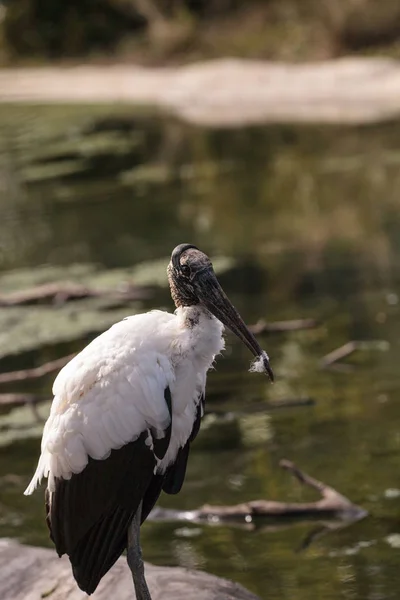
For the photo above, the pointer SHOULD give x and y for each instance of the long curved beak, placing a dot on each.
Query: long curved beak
(217, 302)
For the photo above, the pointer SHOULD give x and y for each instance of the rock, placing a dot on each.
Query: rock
(28, 573)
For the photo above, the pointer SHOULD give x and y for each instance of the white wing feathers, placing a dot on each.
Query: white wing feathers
(106, 397)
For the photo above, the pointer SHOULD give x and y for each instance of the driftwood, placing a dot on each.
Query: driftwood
(48, 292)
(282, 326)
(28, 573)
(35, 372)
(19, 399)
(332, 358)
(339, 353)
(58, 293)
(220, 411)
(32, 400)
(332, 505)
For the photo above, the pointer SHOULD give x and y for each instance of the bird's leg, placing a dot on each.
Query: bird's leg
(134, 557)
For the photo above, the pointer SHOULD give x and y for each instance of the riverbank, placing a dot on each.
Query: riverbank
(224, 93)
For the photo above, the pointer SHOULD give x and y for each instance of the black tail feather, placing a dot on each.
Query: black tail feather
(100, 549)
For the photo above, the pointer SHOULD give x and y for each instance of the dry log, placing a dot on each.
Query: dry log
(35, 372)
(332, 504)
(282, 326)
(58, 293)
(28, 573)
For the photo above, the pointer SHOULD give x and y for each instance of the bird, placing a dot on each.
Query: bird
(124, 414)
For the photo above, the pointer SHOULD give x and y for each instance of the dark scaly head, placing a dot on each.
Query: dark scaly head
(192, 281)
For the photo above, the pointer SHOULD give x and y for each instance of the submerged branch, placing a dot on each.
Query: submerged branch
(282, 326)
(59, 293)
(11, 400)
(332, 504)
(349, 348)
(221, 410)
(339, 353)
(35, 372)
(48, 292)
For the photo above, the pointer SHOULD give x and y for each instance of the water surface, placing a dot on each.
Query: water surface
(309, 220)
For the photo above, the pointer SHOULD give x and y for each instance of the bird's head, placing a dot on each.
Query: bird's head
(193, 281)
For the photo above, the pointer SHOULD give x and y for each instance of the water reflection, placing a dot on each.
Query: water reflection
(311, 217)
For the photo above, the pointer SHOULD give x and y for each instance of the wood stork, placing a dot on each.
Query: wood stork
(124, 413)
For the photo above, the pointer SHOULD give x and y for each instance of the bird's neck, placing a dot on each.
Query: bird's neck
(192, 316)
(202, 333)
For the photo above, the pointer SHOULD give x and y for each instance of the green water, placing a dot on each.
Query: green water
(309, 220)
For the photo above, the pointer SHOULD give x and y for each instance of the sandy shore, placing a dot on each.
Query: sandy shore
(225, 92)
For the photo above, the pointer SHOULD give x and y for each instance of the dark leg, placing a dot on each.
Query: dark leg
(134, 557)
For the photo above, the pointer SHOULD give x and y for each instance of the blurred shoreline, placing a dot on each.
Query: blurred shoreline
(225, 92)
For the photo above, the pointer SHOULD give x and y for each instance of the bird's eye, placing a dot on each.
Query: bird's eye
(185, 270)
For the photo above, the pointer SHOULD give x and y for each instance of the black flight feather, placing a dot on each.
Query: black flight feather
(160, 448)
(175, 474)
(172, 480)
(197, 423)
(152, 494)
(161, 445)
(90, 513)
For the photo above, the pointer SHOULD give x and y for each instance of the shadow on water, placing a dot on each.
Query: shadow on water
(310, 218)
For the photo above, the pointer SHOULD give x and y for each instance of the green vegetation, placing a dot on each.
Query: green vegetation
(159, 31)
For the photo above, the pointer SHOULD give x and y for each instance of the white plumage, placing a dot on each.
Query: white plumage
(113, 390)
